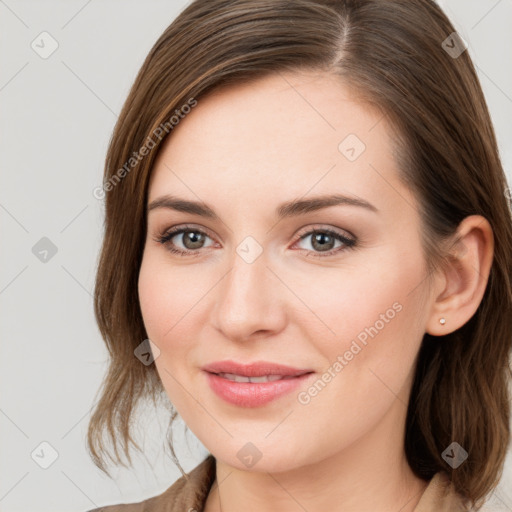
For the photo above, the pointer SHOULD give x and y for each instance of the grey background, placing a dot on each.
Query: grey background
(57, 117)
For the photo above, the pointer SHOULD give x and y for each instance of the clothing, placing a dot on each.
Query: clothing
(190, 496)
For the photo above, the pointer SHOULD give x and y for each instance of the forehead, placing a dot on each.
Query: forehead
(276, 138)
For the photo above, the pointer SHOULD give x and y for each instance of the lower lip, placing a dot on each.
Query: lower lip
(253, 394)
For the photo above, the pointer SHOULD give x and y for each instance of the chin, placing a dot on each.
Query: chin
(266, 459)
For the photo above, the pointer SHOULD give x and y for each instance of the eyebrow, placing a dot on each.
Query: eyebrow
(288, 209)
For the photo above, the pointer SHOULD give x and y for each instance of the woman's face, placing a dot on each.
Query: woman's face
(351, 311)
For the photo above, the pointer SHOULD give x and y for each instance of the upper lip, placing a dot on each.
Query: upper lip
(255, 369)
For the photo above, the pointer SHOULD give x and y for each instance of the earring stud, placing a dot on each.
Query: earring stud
(442, 321)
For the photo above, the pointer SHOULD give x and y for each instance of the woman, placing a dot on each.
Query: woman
(308, 252)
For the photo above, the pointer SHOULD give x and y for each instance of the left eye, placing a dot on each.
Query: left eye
(324, 240)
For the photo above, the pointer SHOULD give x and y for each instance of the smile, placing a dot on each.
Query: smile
(244, 391)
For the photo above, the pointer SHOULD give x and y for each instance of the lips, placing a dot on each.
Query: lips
(255, 384)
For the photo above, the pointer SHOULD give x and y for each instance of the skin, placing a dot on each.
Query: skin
(244, 150)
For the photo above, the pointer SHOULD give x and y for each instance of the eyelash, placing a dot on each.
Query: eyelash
(166, 237)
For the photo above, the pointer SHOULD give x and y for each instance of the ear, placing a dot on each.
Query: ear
(461, 284)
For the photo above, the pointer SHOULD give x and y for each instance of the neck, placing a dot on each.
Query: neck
(370, 474)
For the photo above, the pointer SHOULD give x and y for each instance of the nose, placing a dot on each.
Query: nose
(249, 301)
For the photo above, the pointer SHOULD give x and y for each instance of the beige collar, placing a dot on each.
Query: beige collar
(440, 496)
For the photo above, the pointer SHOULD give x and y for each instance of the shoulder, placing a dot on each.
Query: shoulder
(440, 496)
(187, 493)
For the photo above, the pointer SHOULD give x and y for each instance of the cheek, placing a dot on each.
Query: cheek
(378, 290)
(172, 315)
(152, 300)
(369, 365)
(372, 323)
(167, 297)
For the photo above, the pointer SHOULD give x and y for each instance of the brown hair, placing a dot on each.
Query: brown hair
(390, 52)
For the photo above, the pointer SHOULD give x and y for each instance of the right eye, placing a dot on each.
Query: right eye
(191, 239)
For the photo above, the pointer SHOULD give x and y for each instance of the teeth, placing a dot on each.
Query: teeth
(242, 378)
